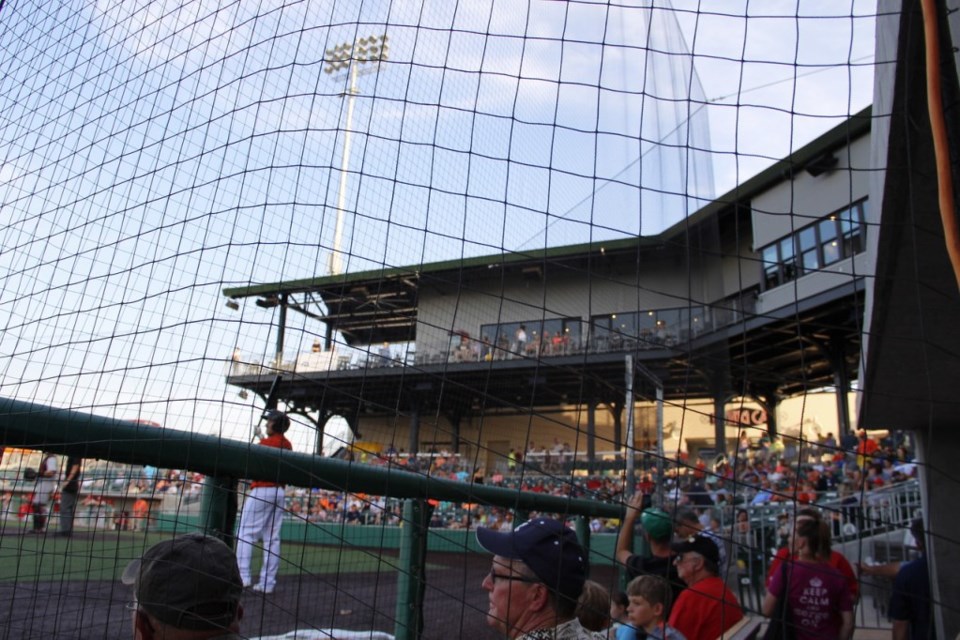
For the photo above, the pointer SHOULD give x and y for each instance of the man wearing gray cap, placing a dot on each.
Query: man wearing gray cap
(537, 576)
(186, 588)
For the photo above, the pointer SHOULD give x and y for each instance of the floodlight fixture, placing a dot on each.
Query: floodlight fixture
(349, 56)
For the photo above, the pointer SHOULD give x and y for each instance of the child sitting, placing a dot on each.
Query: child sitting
(621, 629)
(649, 603)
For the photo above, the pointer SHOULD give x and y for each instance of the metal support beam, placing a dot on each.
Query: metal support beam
(415, 428)
(720, 422)
(771, 404)
(591, 435)
(841, 381)
(281, 330)
(455, 430)
(616, 412)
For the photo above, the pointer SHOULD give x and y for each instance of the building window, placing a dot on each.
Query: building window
(554, 337)
(649, 329)
(839, 236)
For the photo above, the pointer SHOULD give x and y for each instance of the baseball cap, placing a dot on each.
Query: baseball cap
(189, 582)
(281, 421)
(656, 522)
(548, 547)
(699, 544)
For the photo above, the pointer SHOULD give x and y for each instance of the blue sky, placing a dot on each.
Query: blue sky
(154, 152)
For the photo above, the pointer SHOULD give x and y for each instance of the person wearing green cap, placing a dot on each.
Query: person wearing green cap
(657, 527)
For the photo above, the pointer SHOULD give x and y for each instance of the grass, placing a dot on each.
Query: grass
(103, 555)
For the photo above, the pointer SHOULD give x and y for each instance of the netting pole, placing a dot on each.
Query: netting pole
(630, 481)
(412, 577)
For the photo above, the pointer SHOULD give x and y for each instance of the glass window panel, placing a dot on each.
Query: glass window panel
(786, 249)
(626, 324)
(828, 229)
(601, 331)
(831, 252)
(646, 321)
(572, 330)
(807, 239)
(770, 256)
(668, 325)
(810, 261)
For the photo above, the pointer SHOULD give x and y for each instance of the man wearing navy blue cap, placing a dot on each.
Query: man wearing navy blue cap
(537, 576)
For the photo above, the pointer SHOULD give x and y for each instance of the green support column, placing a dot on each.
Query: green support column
(591, 436)
(583, 533)
(412, 578)
(218, 507)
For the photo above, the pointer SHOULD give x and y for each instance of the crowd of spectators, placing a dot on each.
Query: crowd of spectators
(764, 472)
(724, 493)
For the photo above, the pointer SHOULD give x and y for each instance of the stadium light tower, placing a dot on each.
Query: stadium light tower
(349, 57)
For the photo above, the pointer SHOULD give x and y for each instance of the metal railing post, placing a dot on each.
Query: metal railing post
(218, 507)
(412, 578)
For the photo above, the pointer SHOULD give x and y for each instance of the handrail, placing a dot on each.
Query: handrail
(34, 426)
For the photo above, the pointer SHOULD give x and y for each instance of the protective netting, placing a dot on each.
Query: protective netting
(577, 249)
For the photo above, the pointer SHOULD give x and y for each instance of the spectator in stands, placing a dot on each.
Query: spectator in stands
(186, 588)
(830, 443)
(866, 447)
(764, 495)
(825, 552)
(649, 598)
(744, 445)
(593, 607)
(688, 524)
(520, 340)
(657, 529)
(706, 608)
(818, 597)
(910, 601)
(538, 574)
(620, 629)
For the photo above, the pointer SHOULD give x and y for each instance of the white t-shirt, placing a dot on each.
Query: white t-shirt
(45, 486)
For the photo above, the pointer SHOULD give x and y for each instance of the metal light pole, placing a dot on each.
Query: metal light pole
(348, 57)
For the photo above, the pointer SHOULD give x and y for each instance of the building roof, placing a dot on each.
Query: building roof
(380, 305)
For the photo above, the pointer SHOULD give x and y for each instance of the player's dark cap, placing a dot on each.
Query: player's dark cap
(188, 582)
(279, 419)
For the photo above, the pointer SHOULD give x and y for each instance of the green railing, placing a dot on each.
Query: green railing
(33, 426)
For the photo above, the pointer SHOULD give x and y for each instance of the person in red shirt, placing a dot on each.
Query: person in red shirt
(866, 447)
(706, 608)
(263, 514)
